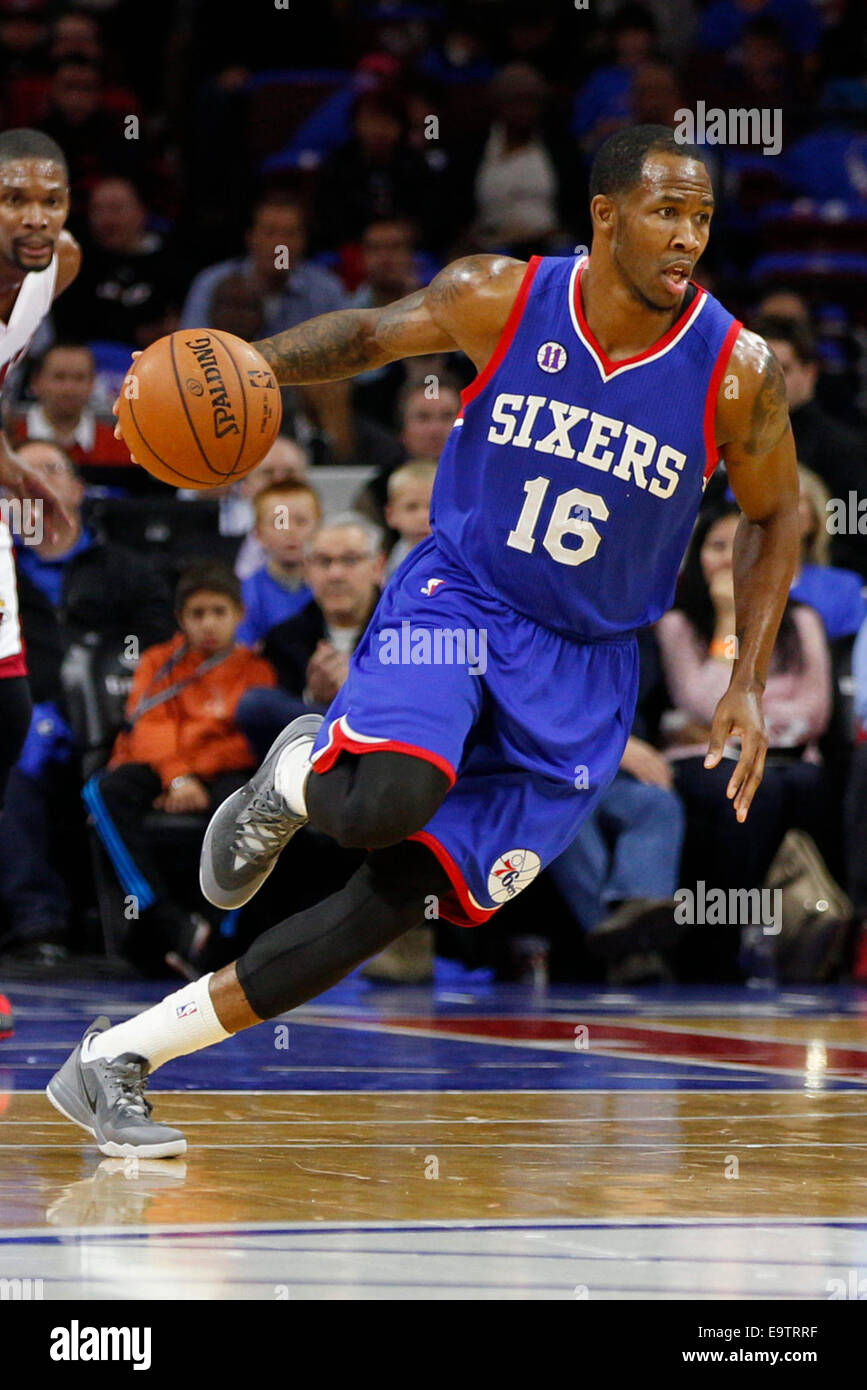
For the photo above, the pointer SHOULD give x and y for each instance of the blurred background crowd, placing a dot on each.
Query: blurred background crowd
(247, 169)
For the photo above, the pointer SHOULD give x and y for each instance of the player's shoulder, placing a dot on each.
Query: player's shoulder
(471, 298)
(752, 405)
(471, 276)
(68, 261)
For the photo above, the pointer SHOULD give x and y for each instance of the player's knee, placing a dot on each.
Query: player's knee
(374, 817)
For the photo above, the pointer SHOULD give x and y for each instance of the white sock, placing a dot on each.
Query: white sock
(182, 1022)
(291, 773)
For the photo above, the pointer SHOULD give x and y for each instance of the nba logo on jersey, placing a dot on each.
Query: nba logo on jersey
(431, 586)
(552, 357)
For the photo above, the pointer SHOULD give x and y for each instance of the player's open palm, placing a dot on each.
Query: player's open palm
(739, 715)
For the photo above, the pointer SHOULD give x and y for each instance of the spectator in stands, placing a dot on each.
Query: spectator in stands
(285, 462)
(180, 752)
(855, 809)
(238, 306)
(23, 52)
(521, 179)
(91, 137)
(425, 418)
(70, 588)
(129, 288)
(725, 23)
(836, 594)
(408, 509)
(388, 266)
(63, 384)
(310, 652)
(76, 35)
(604, 102)
(619, 875)
(293, 289)
(375, 175)
(286, 517)
(390, 272)
(835, 452)
(697, 646)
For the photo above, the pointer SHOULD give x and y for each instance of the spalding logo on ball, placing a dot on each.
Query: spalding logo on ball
(199, 408)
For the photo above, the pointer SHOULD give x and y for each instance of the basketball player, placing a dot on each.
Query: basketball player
(38, 259)
(564, 501)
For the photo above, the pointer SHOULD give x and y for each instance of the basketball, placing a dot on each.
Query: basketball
(199, 408)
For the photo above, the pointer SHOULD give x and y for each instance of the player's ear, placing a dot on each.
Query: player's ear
(603, 211)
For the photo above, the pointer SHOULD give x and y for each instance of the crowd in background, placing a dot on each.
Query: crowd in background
(370, 144)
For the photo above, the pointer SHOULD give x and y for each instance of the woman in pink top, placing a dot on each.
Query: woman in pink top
(697, 644)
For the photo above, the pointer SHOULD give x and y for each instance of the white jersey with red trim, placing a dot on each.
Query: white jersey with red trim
(570, 483)
(32, 303)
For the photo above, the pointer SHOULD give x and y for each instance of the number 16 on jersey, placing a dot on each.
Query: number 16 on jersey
(562, 523)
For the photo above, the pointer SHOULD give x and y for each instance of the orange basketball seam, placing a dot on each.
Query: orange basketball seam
(182, 399)
(227, 348)
(186, 477)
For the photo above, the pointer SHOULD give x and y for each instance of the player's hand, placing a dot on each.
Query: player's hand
(646, 764)
(118, 433)
(739, 714)
(24, 481)
(187, 795)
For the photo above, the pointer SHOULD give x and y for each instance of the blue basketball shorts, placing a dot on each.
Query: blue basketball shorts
(529, 726)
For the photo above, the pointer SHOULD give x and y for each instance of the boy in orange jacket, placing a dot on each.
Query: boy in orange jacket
(180, 751)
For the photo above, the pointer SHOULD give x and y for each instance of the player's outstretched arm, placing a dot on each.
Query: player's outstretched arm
(464, 307)
(756, 441)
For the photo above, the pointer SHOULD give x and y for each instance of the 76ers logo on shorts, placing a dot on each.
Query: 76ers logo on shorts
(512, 873)
(552, 357)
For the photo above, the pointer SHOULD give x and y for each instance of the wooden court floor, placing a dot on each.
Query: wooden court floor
(711, 1154)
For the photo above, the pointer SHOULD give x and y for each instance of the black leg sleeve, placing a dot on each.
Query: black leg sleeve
(310, 952)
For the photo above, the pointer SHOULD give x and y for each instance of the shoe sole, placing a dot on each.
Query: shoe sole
(66, 1101)
(215, 893)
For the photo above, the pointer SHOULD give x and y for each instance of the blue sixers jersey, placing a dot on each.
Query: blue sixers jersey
(569, 485)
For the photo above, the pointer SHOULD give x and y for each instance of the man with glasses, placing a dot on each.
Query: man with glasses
(310, 651)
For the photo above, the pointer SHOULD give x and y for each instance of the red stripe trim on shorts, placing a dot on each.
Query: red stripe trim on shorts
(341, 740)
(469, 913)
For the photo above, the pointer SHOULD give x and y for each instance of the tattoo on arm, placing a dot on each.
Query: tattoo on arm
(327, 348)
(770, 409)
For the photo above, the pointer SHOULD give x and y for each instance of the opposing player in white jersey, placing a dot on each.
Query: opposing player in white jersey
(38, 259)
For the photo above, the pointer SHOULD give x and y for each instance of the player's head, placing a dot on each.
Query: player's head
(409, 494)
(287, 514)
(34, 198)
(344, 567)
(208, 606)
(792, 344)
(651, 202)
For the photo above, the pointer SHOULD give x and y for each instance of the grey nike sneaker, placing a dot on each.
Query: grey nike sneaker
(248, 831)
(106, 1097)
